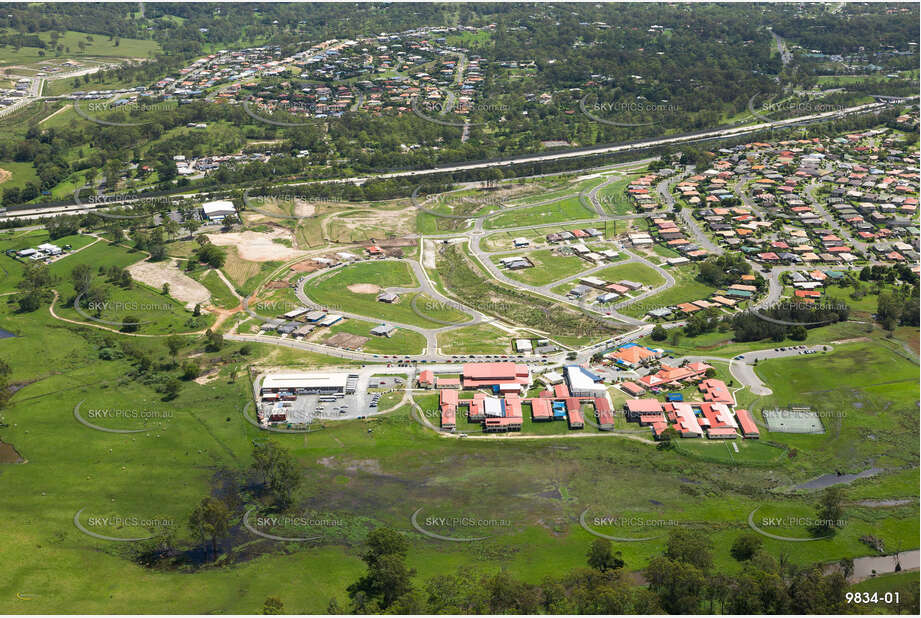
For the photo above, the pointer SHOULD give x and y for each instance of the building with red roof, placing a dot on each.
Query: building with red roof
(500, 377)
(447, 382)
(747, 424)
(668, 375)
(716, 391)
(632, 388)
(604, 413)
(541, 409)
(448, 400)
(635, 408)
(426, 379)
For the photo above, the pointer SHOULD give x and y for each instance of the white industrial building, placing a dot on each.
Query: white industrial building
(304, 383)
(584, 383)
(218, 210)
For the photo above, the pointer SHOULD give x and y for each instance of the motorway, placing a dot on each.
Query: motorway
(523, 159)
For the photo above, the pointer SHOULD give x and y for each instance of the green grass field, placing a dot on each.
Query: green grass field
(633, 271)
(476, 339)
(565, 209)
(547, 267)
(686, 289)
(331, 290)
(544, 487)
(79, 45)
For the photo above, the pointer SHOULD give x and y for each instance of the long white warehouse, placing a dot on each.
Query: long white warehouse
(304, 383)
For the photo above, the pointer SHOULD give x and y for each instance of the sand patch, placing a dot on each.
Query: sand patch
(258, 246)
(181, 286)
(303, 209)
(364, 288)
(5, 175)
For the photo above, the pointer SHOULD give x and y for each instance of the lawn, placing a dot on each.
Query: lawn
(548, 267)
(221, 295)
(358, 477)
(403, 341)
(476, 339)
(633, 271)
(565, 209)
(686, 289)
(93, 45)
(155, 313)
(866, 395)
(331, 290)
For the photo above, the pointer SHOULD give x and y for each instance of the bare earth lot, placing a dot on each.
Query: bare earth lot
(181, 287)
(257, 246)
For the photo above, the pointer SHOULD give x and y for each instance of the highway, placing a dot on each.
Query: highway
(523, 159)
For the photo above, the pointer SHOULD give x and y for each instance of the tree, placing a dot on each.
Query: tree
(174, 344)
(165, 289)
(273, 606)
(278, 469)
(798, 333)
(659, 333)
(828, 511)
(190, 370)
(171, 389)
(130, 324)
(745, 546)
(602, 558)
(215, 341)
(210, 521)
(678, 584)
(668, 439)
(690, 547)
(5, 393)
(81, 277)
(387, 577)
(191, 225)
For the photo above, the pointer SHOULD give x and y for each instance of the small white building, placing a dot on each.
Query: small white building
(50, 249)
(523, 345)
